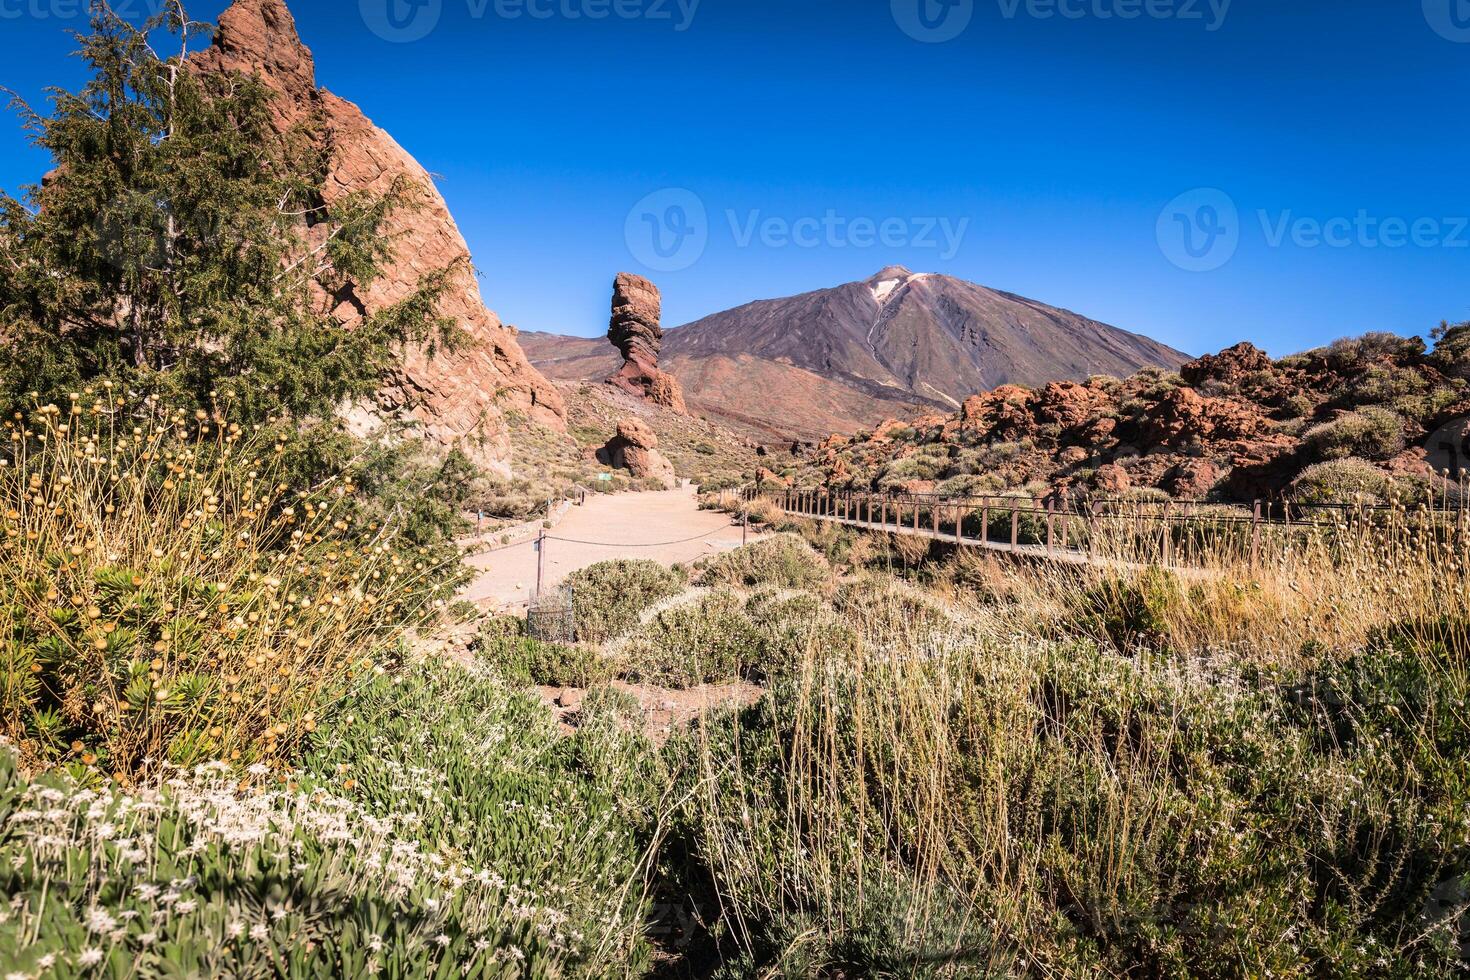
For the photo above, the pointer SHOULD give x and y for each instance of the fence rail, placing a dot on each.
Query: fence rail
(1089, 529)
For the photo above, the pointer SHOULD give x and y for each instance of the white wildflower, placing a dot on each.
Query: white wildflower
(90, 956)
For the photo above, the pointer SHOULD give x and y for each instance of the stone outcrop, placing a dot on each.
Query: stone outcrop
(635, 449)
(455, 398)
(635, 331)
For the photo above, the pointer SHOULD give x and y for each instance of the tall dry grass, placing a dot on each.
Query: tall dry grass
(1244, 769)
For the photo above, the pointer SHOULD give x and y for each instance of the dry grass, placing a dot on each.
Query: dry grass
(167, 600)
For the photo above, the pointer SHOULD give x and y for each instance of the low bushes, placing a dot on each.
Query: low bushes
(785, 560)
(1371, 433)
(433, 830)
(703, 638)
(608, 597)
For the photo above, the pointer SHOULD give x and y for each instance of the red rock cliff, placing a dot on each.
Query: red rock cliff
(457, 398)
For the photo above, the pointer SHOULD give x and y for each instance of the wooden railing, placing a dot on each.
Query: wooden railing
(1164, 532)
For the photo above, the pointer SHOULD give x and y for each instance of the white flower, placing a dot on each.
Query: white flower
(16, 976)
(442, 939)
(106, 831)
(47, 962)
(90, 956)
(147, 892)
(260, 932)
(147, 938)
(186, 906)
(100, 921)
(235, 930)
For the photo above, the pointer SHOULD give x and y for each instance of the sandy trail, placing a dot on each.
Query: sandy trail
(623, 525)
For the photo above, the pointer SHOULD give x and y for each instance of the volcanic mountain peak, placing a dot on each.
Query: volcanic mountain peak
(843, 358)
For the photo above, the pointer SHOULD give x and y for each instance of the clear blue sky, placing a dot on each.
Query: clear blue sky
(1055, 143)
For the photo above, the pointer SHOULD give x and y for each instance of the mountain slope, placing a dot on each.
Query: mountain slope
(841, 359)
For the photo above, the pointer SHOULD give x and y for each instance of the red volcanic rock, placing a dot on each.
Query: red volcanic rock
(1231, 365)
(764, 476)
(456, 398)
(1183, 416)
(1112, 478)
(634, 330)
(635, 449)
(1002, 413)
(1192, 479)
(1070, 405)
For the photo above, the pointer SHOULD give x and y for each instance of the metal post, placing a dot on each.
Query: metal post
(744, 524)
(985, 523)
(1015, 525)
(540, 559)
(1049, 517)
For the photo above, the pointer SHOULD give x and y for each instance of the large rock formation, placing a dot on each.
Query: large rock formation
(635, 449)
(456, 398)
(634, 330)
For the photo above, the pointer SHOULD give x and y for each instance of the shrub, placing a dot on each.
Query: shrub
(703, 638)
(785, 560)
(162, 598)
(1370, 433)
(1133, 611)
(429, 832)
(530, 661)
(608, 597)
(1354, 481)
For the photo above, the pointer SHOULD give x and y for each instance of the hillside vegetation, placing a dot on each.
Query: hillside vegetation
(1375, 418)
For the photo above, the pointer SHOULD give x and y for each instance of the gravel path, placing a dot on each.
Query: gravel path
(667, 527)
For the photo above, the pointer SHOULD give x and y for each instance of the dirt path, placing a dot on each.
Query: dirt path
(667, 527)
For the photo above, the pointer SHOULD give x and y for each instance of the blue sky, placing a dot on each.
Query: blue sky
(1313, 152)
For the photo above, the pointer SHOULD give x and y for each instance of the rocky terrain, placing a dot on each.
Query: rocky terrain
(841, 359)
(1373, 418)
(455, 397)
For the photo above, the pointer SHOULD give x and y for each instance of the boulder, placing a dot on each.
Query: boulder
(1192, 479)
(1231, 366)
(635, 331)
(1111, 478)
(454, 398)
(635, 449)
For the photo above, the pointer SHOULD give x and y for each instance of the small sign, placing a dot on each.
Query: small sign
(604, 477)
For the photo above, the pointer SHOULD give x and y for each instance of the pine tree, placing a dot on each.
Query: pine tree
(179, 242)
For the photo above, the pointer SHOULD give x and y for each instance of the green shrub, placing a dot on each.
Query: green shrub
(1371, 433)
(703, 639)
(429, 833)
(1354, 481)
(608, 597)
(530, 661)
(1133, 611)
(785, 560)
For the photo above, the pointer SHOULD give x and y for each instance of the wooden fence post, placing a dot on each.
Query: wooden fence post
(1050, 516)
(1256, 535)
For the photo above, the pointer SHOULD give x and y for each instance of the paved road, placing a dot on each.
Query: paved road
(623, 525)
